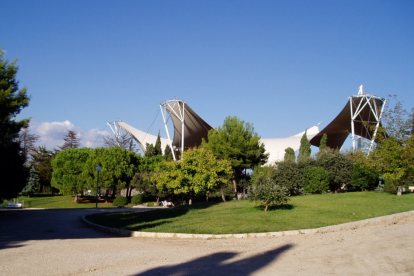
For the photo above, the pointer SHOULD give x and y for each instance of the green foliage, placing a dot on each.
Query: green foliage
(72, 141)
(68, 167)
(12, 158)
(289, 175)
(157, 147)
(167, 153)
(290, 155)
(266, 190)
(137, 199)
(315, 180)
(323, 142)
(150, 150)
(364, 178)
(120, 201)
(33, 182)
(237, 142)
(198, 172)
(305, 149)
(42, 162)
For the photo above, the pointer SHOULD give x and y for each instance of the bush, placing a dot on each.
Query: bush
(390, 186)
(364, 178)
(120, 201)
(315, 180)
(138, 199)
(267, 191)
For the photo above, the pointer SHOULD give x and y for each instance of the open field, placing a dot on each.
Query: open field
(302, 212)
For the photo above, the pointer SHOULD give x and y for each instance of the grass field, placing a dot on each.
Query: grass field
(302, 212)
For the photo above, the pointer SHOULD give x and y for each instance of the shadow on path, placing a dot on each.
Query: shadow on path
(18, 226)
(218, 264)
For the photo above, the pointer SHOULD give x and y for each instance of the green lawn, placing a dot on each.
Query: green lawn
(302, 212)
(59, 202)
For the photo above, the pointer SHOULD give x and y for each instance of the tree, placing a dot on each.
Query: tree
(323, 144)
(237, 142)
(167, 153)
(33, 182)
(41, 160)
(364, 178)
(157, 146)
(150, 151)
(290, 155)
(393, 156)
(198, 172)
(125, 141)
(68, 167)
(27, 142)
(305, 149)
(289, 175)
(71, 141)
(12, 101)
(267, 191)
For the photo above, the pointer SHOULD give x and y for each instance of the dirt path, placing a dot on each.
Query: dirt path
(384, 249)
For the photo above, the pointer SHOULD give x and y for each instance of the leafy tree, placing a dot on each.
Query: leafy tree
(393, 156)
(12, 101)
(364, 178)
(150, 151)
(289, 175)
(71, 141)
(198, 172)
(305, 149)
(315, 180)
(68, 166)
(27, 142)
(118, 168)
(33, 182)
(290, 155)
(339, 166)
(167, 153)
(267, 191)
(124, 141)
(237, 142)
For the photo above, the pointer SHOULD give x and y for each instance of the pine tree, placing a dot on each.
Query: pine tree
(33, 183)
(157, 147)
(71, 141)
(324, 140)
(167, 153)
(305, 149)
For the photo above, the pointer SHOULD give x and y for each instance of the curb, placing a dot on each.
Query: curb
(334, 228)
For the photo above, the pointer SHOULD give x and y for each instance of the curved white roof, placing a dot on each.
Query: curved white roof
(276, 146)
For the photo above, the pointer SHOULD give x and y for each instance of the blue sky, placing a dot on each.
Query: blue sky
(282, 65)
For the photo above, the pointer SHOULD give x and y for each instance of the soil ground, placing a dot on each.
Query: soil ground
(57, 242)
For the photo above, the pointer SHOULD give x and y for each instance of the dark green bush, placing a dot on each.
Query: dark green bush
(315, 180)
(137, 199)
(364, 178)
(120, 201)
(390, 186)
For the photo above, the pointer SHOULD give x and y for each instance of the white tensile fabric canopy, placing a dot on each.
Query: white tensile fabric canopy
(276, 146)
(142, 137)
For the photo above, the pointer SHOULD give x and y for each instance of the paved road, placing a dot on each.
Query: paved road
(57, 242)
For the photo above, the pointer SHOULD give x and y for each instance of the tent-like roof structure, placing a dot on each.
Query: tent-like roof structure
(276, 146)
(189, 127)
(359, 114)
(142, 137)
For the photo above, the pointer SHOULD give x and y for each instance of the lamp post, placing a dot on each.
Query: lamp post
(98, 169)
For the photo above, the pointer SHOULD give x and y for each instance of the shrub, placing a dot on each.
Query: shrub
(315, 180)
(267, 191)
(364, 178)
(120, 201)
(137, 199)
(390, 186)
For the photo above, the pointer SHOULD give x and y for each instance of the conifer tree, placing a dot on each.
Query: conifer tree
(33, 183)
(305, 149)
(167, 153)
(157, 147)
(290, 155)
(324, 140)
(71, 141)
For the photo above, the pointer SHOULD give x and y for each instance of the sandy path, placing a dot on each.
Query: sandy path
(383, 249)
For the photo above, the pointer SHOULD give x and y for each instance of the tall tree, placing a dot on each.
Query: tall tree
(150, 151)
(237, 142)
(125, 141)
(323, 146)
(27, 142)
(33, 182)
(305, 149)
(41, 159)
(157, 146)
(12, 101)
(198, 172)
(290, 155)
(71, 141)
(167, 153)
(68, 166)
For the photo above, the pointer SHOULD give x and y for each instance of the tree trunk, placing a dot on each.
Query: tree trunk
(244, 193)
(267, 207)
(235, 185)
(207, 197)
(76, 198)
(190, 201)
(222, 196)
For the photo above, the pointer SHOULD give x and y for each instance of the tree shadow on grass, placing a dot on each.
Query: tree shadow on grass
(218, 264)
(144, 220)
(276, 207)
